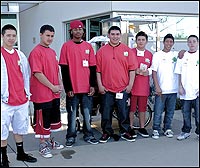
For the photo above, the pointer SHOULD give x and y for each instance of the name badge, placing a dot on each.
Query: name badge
(85, 63)
(140, 53)
(147, 60)
(119, 96)
(87, 51)
(126, 54)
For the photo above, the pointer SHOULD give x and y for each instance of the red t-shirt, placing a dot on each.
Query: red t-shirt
(43, 59)
(114, 64)
(141, 86)
(17, 95)
(75, 55)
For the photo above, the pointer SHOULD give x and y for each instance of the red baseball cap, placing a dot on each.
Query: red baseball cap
(76, 24)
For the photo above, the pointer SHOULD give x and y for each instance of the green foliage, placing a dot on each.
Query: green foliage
(181, 36)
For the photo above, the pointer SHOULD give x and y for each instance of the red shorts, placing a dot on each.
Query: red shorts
(47, 118)
(140, 102)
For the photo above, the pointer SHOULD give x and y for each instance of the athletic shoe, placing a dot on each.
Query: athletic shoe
(127, 137)
(183, 135)
(93, 141)
(70, 142)
(26, 157)
(168, 133)
(44, 150)
(54, 144)
(155, 134)
(132, 133)
(104, 138)
(143, 132)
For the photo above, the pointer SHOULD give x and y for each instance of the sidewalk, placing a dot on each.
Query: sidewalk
(144, 152)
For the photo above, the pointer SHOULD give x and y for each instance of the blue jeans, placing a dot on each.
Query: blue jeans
(167, 103)
(72, 103)
(107, 107)
(187, 106)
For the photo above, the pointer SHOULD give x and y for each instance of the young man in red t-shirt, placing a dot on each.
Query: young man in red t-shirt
(46, 86)
(78, 67)
(141, 85)
(15, 95)
(116, 65)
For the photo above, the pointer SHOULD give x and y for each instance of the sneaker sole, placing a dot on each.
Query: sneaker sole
(182, 138)
(46, 156)
(155, 137)
(93, 143)
(130, 140)
(69, 146)
(30, 161)
(171, 136)
(145, 136)
(104, 141)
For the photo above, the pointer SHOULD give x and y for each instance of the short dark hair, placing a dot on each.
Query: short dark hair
(169, 36)
(8, 27)
(46, 27)
(193, 36)
(114, 28)
(141, 33)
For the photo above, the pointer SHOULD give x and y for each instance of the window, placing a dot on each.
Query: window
(9, 19)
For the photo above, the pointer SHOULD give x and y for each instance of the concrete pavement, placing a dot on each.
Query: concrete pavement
(144, 152)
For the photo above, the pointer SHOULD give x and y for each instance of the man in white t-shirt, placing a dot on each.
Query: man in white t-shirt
(166, 87)
(188, 70)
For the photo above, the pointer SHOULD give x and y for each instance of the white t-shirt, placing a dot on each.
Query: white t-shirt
(164, 63)
(188, 67)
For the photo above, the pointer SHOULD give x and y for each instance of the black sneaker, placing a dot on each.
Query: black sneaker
(5, 162)
(26, 157)
(143, 132)
(132, 133)
(93, 141)
(128, 137)
(104, 138)
(69, 143)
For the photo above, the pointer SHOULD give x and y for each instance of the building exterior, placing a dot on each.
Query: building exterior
(156, 18)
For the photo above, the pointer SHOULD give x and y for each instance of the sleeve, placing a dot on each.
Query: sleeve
(93, 76)
(98, 61)
(133, 62)
(154, 65)
(176, 54)
(4, 79)
(35, 62)
(63, 56)
(66, 78)
(178, 68)
(25, 68)
(150, 71)
(92, 61)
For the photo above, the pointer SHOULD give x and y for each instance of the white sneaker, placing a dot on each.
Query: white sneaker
(168, 133)
(54, 144)
(155, 134)
(183, 135)
(45, 151)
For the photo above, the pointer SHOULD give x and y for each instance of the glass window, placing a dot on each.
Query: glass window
(94, 27)
(180, 27)
(9, 19)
